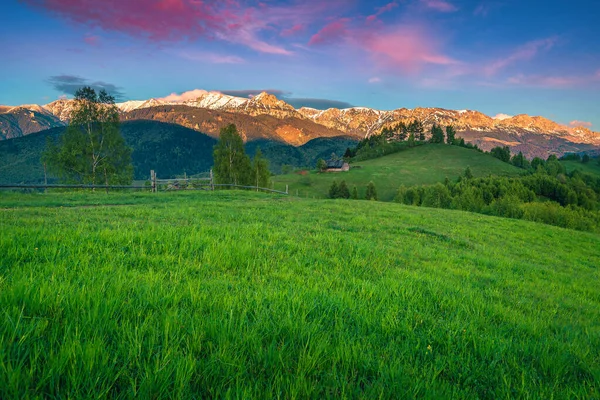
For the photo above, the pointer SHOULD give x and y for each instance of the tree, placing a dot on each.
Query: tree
(92, 149)
(371, 191)
(468, 174)
(343, 192)
(585, 159)
(354, 195)
(260, 170)
(501, 153)
(450, 134)
(232, 165)
(333, 190)
(437, 134)
(411, 140)
(348, 153)
(321, 165)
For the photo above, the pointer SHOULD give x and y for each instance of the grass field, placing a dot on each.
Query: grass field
(244, 295)
(591, 167)
(417, 166)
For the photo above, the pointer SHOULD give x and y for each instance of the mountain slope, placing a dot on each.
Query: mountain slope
(266, 117)
(290, 130)
(169, 149)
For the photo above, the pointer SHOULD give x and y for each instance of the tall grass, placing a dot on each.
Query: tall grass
(244, 295)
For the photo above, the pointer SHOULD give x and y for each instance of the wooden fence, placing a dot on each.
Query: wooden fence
(198, 182)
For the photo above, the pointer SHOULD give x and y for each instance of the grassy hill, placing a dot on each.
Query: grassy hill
(420, 165)
(591, 167)
(242, 295)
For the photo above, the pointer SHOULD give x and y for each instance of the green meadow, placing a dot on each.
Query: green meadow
(592, 167)
(245, 295)
(421, 165)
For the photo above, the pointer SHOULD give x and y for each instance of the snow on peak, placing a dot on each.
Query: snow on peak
(501, 117)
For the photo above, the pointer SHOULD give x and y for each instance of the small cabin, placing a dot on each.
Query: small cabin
(337, 166)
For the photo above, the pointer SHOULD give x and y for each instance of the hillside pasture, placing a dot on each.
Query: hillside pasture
(244, 295)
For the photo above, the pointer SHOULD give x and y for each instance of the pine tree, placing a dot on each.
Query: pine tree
(231, 164)
(354, 195)
(371, 191)
(343, 192)
(333, 190)
(92, 149)
(450, 134)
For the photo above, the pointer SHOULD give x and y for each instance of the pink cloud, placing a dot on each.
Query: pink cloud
(525, 52)
(212, 58)
(407, 48)
(439, 5)
(574, 124)
(381, 10)
(294, 30)
(92, 40)
(232, 21)
(375, 79)
(332, 32)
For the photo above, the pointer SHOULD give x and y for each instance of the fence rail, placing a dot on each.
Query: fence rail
(204, 183)
(59, 186)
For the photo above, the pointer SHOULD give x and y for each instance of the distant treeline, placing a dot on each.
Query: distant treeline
(548, 195)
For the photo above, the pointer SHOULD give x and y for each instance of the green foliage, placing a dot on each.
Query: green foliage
(344, 192)
(321, 165)
(501, 153)
(260, 170)
(231, 164)
(248, 296)
(468, 173)
(334, 190)
(450, 134)
(92, 150)
(578, 195)
(585, 159)
(354, 195)
(437, 134)
(520, 161)
(371, 192)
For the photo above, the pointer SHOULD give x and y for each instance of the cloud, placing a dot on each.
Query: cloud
(69, 84)
(212, 57)
(374, 79)
(381, 10)
(294, 30)
(526, 52)
(575, 124)
(319, 104)
(439, 5)
(332, 32)
(92, 40)
(408, 48)
(248, 23)
(552, 82)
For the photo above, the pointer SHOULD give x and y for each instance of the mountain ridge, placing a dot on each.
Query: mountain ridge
(293, 127)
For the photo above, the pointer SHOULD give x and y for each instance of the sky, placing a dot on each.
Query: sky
(498, 56)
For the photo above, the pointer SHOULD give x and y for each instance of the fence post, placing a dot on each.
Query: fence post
(153, 180)
(212, 183)
(286, 189)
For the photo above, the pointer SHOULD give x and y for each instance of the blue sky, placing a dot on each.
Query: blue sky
(511, 57)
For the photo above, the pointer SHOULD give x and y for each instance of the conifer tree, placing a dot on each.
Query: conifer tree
(333, 190)
(354, 195)
(371, 191)
(450, 134)
(343, 192)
